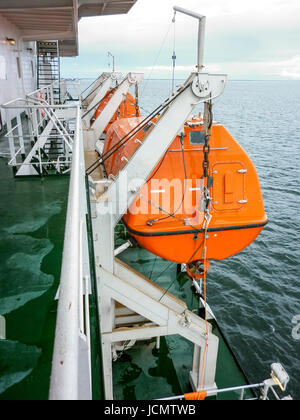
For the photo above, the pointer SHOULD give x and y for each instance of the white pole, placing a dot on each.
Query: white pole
(201, 33)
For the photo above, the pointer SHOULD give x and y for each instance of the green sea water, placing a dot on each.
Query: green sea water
(256, 294)
(31, 236)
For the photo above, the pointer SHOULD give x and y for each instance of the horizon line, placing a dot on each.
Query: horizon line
(169, 79)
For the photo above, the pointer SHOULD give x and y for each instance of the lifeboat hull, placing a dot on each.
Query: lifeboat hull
(188, 247)
(167, 217)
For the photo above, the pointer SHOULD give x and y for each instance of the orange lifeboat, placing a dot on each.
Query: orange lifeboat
(167, 217)
(128, 108)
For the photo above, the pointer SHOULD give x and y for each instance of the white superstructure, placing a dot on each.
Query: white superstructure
(23, 22)
(17, 63)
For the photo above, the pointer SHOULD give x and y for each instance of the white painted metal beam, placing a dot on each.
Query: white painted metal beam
(170, 316)
(198, 88)
(96, 98)
(116, 281)
(129, 320)
(135, 333)
(93, 90)
(138, 301)
(102, 121)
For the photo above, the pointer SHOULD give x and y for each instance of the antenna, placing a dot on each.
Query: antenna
(201, 33)
(113, 60)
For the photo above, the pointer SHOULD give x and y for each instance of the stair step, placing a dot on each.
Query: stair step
(48, 55)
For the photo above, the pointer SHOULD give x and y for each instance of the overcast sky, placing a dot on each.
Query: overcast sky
(247, 39)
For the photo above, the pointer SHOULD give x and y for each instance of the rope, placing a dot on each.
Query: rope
(150, 222)
(176, 278)
(118, 145)
(122, 141)
(134, 131)
(196, 396)
(170, 214)
(205, 305)
(154, 262)
(208, 121)
(156, 59)
(89, 88)
(174, 53)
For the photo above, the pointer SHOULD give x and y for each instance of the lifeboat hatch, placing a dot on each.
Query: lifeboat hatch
(229, 186)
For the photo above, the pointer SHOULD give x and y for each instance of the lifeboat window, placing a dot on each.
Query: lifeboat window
(147, 127)
(197, 137)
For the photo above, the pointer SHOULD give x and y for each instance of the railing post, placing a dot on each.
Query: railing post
(11, 140)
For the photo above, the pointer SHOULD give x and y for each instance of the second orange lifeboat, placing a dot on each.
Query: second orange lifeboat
(167, 217)
(128, 108)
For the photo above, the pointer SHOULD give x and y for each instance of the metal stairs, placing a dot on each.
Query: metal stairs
(51, 150)
(32, 165)
(48, 67)
(54, 146)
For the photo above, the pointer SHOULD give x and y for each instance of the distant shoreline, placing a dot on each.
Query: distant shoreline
(180, 80)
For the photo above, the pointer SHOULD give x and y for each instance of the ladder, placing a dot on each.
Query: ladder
(48, 66)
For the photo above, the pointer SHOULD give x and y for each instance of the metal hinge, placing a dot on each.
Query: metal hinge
(243, 201)
(242, 171)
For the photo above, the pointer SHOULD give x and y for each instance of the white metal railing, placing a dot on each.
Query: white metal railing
(279, 378)
(71, 368)
(214, 392)
(45, 93)
(40, 109)
(70, 90)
